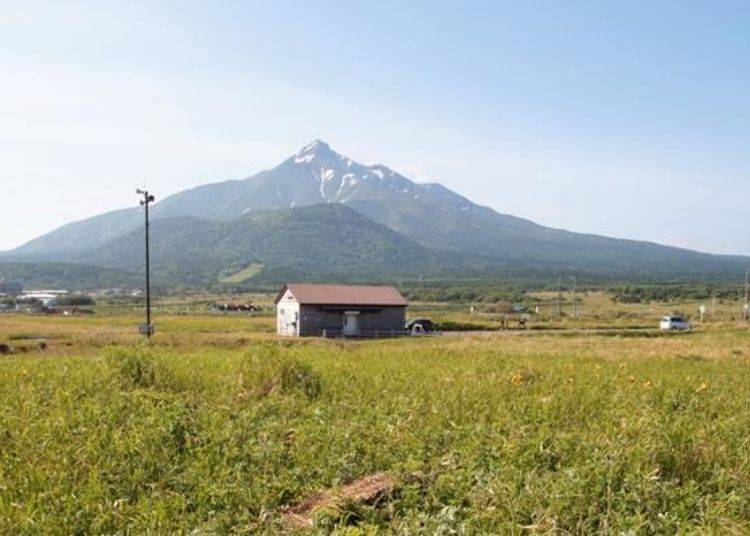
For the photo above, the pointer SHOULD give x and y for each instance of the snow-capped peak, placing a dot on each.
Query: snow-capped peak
(313, 150)
(339, 179)
(314, 146)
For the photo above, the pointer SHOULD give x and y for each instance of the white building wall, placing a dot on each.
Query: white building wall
(287, 315)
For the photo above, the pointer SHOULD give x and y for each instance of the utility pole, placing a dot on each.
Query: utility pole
(747, 293)
(559, 296)
(147, 329)
(575, 299)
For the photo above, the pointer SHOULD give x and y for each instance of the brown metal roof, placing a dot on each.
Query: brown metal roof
(344, 295)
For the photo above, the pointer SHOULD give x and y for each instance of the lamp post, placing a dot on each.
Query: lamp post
(147, 329)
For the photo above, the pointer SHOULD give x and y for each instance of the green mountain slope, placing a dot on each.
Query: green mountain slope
(80, 235)
(70, 276)
(316, 242)
(481, 231)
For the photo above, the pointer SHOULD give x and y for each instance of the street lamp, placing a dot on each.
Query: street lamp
(147, 329)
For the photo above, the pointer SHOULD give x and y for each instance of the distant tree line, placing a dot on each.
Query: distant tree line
(668, 293)
(467, 294)
(74, 300)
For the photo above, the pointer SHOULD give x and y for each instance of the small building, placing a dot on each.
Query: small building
(340, 310)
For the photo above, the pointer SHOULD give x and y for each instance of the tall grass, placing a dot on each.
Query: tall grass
(586, 434)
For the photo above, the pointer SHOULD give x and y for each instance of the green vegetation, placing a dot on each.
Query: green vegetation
(480, 292)
(216, 427)
(666, 293)
(321, 242)
(452, 325)
(70, 276)
(243, 275)
(74, 300)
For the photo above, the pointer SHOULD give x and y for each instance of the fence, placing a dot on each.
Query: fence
(362, 334)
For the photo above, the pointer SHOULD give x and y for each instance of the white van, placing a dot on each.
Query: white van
(677, 323)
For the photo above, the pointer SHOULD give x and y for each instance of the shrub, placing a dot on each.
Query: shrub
(75, 300)
(460, 326)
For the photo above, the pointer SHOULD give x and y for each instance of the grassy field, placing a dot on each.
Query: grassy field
(217, 427)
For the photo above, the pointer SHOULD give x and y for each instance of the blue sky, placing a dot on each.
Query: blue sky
(620, 118)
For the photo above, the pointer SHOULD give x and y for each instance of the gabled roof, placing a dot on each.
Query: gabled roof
(308, 294)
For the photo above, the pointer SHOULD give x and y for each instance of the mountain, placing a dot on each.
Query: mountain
(70, 276)
(80, 235)
(314, 242)
(428, 215)
(314, 175)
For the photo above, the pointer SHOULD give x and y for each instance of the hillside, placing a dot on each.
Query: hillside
(80, 235)
(71, 276)
(316, 242)
(429, 215)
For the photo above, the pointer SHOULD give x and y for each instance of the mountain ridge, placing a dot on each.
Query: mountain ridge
(430, 215)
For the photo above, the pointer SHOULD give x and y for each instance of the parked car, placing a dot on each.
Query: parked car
(417, 326)
(676, 323)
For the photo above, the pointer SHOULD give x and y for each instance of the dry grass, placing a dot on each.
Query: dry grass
(365, 490)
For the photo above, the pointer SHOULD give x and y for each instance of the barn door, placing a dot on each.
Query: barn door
(350, 327)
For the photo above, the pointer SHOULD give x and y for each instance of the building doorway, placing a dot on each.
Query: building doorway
(351, 324)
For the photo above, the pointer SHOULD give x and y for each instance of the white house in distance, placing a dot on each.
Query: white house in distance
(339, 310)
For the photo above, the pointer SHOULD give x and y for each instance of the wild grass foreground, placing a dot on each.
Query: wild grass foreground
(479, 434)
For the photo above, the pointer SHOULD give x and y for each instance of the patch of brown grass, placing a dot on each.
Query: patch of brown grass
(363, 491)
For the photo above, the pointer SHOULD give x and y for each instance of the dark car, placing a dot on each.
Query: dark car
(419, 325)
